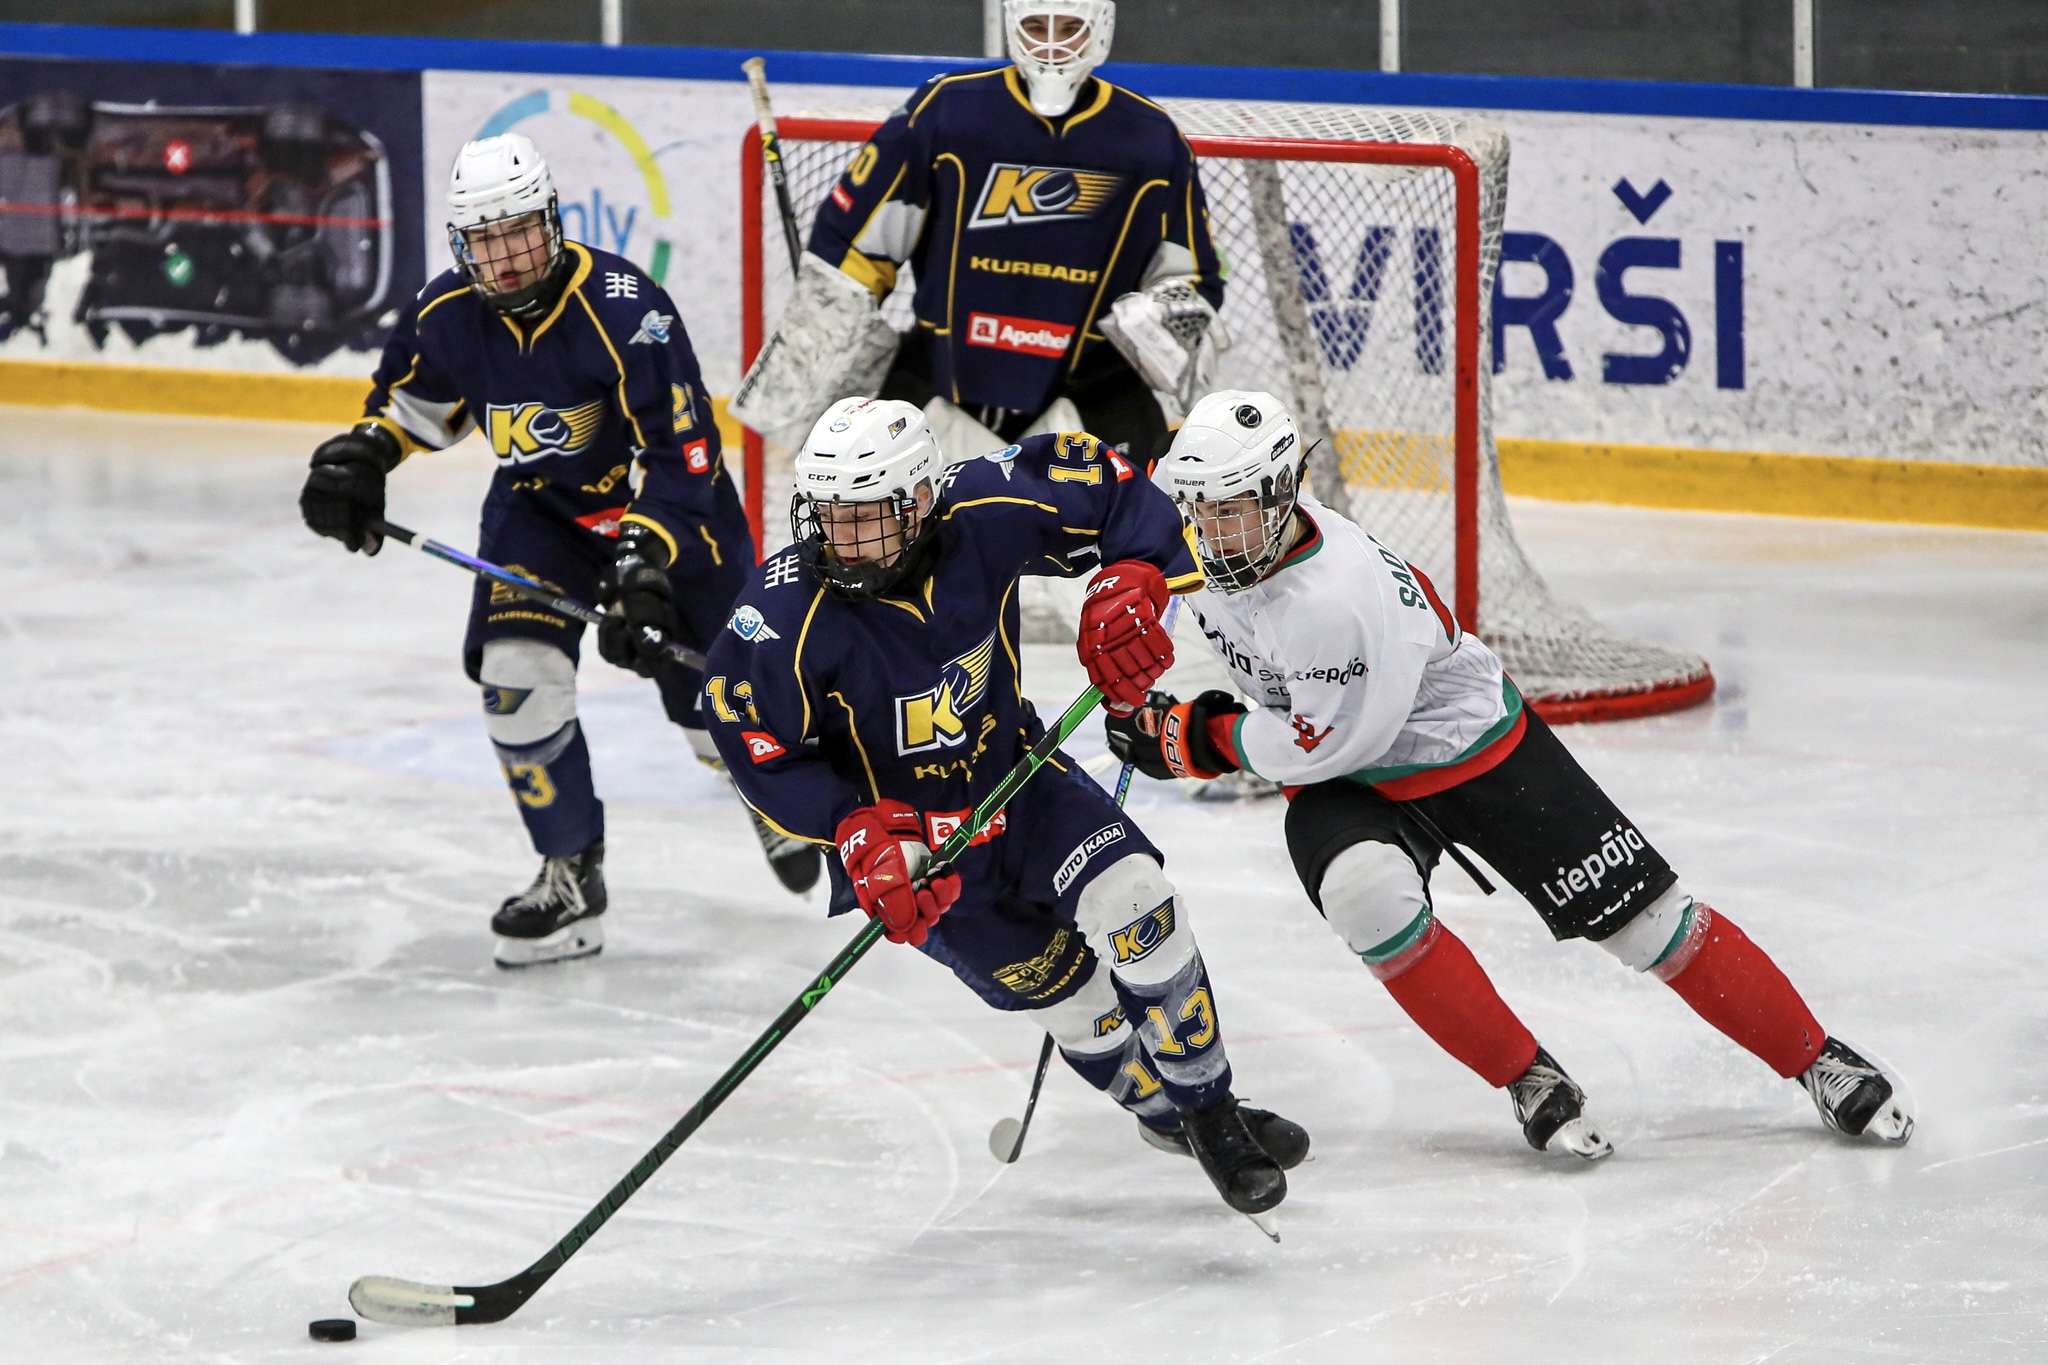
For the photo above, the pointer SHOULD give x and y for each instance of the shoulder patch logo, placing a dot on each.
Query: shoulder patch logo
(762, 746)
(748, 624)
(1005, 460)
(779, 570)
(619, 285)
(1016, 193)
(653, 329)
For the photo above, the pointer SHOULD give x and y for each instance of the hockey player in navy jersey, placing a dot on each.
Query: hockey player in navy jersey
(866, 696)
(576, 367)
(1060, 243)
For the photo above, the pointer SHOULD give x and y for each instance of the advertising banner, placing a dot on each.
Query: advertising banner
(216, 217)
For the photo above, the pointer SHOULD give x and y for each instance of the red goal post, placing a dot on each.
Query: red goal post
(1426, 461)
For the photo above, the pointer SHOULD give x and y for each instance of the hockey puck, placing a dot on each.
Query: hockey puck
(332, 1329)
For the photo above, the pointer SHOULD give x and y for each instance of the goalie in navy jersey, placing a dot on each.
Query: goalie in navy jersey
(866, 697)
(1059, 238)
(576, 368)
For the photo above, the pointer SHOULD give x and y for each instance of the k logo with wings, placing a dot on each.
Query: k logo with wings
(1041, 194)
(523, 432)
(937, 719)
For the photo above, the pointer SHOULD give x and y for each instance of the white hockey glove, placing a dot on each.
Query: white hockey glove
(830, 344)
(1171, 336)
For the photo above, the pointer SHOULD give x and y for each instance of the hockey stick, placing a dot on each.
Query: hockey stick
(407, 1303)
(1006, 1139)
(525, 587)
(771, 152)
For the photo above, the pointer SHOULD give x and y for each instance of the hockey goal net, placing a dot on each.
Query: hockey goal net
(1360, 248)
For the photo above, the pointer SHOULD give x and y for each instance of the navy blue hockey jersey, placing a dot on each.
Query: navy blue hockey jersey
(820, 704)
(570, 403)
(1021, 230)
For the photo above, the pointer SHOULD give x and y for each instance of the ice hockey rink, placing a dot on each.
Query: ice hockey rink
(254, 1045)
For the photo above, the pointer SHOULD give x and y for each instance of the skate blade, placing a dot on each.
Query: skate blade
(584, 938)
(1267, 1222)
(1891, 1125)
(1581, 1139)
(1006, 1140)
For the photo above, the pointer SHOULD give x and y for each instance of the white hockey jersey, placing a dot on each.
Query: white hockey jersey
(1356, 669)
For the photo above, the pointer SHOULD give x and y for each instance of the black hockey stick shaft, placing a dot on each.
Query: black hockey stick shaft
(1421, 817)
(1005, 1145)
(525, 587)
(384, 1299)
(771, 152)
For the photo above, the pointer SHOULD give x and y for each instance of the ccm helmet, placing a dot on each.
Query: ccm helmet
(1235, 471)
(866, 479)
(1055, 44)
(504, 224)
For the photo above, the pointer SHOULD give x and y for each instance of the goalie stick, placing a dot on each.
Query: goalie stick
(408, 1303)
(771, 152)
(1006, 1139)
(525, 587)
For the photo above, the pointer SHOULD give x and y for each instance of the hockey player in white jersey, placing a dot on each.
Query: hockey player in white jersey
(1396, 735)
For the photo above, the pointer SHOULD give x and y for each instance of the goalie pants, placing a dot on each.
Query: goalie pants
(550, 776)
(1067, 913)
(1116, 406)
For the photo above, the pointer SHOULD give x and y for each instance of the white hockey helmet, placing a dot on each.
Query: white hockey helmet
(866, 479)
(501, 199)
(1065, 40)
(1235, 471)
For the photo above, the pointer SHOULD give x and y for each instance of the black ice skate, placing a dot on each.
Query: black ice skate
(796, 864)
(1552, 1111)
(557, 917)
(1284, 1140)
(1854, 1097)
(1249, 1180)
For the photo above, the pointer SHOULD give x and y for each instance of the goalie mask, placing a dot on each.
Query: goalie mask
(1235, 472)
(866, 480)
(504, 224)
(1055, 44)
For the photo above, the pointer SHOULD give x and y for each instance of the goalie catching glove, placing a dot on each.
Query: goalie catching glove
(1168, 738)
(1122, 642)
(883, 850)
(1170, 334)
(830, 344)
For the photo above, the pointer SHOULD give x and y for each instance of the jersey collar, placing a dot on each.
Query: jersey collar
(1306, 547)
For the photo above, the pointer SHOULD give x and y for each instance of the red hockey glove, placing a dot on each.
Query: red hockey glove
(1122, 643)
(1168, 738)
(882, 846)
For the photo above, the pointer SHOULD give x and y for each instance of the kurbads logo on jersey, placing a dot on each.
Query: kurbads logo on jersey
(937, 719)
(1078, 859)
(1030, 336)
(1041, 194)
(523, 432)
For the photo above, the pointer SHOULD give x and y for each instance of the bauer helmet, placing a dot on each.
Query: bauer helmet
(1055, 44)
(866, 480)
(1235, 471)
(504, 224)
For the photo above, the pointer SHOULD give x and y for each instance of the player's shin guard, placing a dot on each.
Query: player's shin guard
(1373, 896)
(1103, 1049)
(1132, 920)
(1729, 982)
(530, 711)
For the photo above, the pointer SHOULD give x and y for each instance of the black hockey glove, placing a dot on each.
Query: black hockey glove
(1166, 738)
(639, 606)
(345, 488)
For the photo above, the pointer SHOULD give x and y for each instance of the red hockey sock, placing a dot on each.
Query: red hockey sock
(1449, 996)
(1733, 985)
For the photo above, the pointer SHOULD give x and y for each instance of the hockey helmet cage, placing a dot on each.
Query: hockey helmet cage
(498, 186)
(1235, 445)
(856, 509)
(1071, 39)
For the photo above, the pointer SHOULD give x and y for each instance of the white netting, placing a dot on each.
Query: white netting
(1361, 344)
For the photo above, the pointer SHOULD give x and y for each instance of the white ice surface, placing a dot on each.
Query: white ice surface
(251, 1044)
